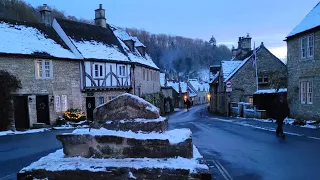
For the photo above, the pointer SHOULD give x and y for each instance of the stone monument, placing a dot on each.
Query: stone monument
(128, 140)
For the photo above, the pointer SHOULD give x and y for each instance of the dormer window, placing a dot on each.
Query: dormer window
(129, 44)
(142, 50)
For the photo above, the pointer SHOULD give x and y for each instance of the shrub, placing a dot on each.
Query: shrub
(74, 115)
(8, 85)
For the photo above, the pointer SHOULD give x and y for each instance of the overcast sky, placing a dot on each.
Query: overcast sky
(267, 21)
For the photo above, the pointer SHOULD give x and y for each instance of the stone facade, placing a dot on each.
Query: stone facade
(244, 80)
(146, 81)
(65, 81)
(301, 70)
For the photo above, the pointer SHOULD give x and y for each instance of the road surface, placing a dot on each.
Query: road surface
(239, 149)
(246, 149)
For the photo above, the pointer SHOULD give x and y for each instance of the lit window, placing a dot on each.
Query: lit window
(43, 69)
(251, 100)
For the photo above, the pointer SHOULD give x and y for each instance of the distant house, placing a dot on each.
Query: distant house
(65, 64)
(272, 73)
(200, 89)
(304, 66)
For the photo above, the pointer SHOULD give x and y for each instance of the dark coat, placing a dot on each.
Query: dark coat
(279, 110)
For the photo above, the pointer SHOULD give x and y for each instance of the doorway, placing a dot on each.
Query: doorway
(90, 105)
(42, 103)
(21, 112)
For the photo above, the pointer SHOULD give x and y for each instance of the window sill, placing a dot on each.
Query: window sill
(44, 78)
(307, 59)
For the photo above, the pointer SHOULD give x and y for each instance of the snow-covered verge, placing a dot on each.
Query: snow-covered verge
(56, 162)
(4, 133)
(309, 123)
(174, 136)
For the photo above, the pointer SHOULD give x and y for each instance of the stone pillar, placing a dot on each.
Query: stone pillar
(11, 125)
(32, 107)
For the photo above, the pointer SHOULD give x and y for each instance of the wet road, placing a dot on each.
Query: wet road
(18, 151)
(246, 149)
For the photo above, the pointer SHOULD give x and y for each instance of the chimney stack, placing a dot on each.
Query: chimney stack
(100, 17)
(45, 15)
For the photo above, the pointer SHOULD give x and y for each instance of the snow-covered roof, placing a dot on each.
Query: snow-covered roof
(206, 87)
(134, 55)
(228, 67)
(137, 43)
(270, 91)
(196, 84)
(162, 79)
(175, 86)
(213, 77)
(311, 20)
(93, 42)
(237, 67)
(31, 39)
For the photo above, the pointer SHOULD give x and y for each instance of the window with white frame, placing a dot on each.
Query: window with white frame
(101, 100)
(264, 79)
(44, 69)
(307, 46)
(306, 92)
(98, 70)
(121, 70)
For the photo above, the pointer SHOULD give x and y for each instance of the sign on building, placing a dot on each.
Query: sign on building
(58, 103)
(229, 86)
(64, 100)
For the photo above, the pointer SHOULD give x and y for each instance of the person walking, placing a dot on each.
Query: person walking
(188, 104)
(280, 110)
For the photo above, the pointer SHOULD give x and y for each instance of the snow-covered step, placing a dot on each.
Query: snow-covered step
(56, 166)
(103, 143)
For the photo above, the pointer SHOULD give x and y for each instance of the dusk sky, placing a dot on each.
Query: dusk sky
(267, 21)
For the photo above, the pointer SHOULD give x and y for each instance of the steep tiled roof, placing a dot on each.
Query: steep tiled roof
(93, 42)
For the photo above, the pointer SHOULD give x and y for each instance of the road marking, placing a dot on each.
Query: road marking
(8, 177)
(222, 170)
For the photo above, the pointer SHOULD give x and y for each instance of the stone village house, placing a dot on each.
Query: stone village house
(241, 73)
(64, 64)
(304, 67)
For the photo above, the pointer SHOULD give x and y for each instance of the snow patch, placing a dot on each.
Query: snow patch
(174, 136)
(228, 67)
(160, 119)
(4, 133)
(269, 91)
(20, 39)
(56, 162)
(131, 175)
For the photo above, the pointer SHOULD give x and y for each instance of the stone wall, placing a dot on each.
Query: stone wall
(146, 85)
(300, 70)
(65, 81)
(244, 80)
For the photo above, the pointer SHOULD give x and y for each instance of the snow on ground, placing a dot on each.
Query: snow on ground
(160, 119)
(4, 133)
(174, 136)
(56, 162)
(131, 175)
(21, 39)
(177, 109)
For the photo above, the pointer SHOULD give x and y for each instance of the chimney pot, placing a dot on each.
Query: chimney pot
(100, 6)
(100, 18)
(45, 15)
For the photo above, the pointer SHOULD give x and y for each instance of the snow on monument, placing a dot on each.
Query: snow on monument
(128, 140)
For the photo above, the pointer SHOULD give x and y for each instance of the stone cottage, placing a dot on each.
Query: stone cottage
(201, 89)
(48, 70)
(304, 67)
(271, 71)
